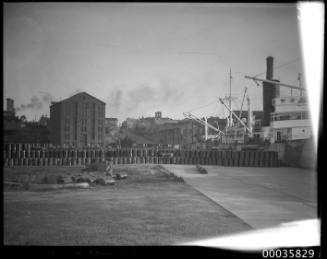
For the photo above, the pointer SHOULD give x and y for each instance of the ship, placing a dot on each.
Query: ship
(285, 126)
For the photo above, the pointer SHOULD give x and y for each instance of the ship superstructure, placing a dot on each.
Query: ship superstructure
(290, 120)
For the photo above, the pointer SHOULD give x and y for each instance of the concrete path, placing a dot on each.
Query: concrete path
(262, 197)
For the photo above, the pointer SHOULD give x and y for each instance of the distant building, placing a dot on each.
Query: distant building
(10, 106)
(77, 121)
(183, 133)
(10, 121)
(158, 115)
(10, 109)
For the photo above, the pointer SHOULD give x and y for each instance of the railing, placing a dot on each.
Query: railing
(289, 116)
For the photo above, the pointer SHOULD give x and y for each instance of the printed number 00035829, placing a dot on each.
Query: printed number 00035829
(288, 253)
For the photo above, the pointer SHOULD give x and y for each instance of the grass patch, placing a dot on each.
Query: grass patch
(148, 208)
(61, 175)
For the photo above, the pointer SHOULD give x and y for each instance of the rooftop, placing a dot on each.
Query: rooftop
(81, 93)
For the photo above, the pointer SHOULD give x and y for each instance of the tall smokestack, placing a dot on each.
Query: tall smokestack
(270, 68)
(270, 91)
(10, 105)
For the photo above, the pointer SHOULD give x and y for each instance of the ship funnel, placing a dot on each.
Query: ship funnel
(270, 91)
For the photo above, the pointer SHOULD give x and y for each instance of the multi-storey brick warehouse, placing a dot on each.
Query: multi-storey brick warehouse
(77, 121)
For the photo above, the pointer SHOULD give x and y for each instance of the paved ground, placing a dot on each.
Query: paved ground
(262, 197)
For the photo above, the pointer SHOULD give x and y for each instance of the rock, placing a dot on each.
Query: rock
(83, 180)
(201, 169)
(100, 181)
(120, 176)
(60, 180)
(67, 180)
(109, 181)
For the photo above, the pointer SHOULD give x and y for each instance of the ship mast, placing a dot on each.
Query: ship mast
(230, 98)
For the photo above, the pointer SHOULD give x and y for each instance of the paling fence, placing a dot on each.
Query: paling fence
(37, 155)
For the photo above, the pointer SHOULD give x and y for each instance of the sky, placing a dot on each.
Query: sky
(140, 58)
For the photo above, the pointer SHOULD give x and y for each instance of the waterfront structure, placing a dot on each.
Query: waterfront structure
(77, 121)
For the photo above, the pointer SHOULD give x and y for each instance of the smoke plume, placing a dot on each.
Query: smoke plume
(143, 97)
(36, 102)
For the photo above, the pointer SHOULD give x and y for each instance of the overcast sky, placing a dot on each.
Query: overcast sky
(140, 57)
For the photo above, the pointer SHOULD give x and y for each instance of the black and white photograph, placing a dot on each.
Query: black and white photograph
(161, 124)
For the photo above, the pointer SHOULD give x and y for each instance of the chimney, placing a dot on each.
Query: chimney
(10, 105)
(269, 92)
(270, 68)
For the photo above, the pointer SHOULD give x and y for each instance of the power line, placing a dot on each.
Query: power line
(203, 106)
(282, 65)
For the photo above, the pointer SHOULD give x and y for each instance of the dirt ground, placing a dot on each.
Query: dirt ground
(148, 208)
